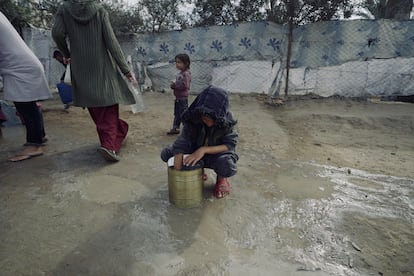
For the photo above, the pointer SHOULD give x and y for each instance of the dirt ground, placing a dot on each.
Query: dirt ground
(369, 135)
(325, 187)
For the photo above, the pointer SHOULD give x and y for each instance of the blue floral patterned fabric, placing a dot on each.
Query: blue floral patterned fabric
(336, 42)
(249, 41)
(314, 45)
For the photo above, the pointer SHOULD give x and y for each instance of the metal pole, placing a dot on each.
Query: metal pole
(289, 50)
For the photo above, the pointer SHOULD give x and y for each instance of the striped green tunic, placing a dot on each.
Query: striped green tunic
(97, 60)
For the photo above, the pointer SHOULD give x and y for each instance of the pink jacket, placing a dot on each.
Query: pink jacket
(182, 85)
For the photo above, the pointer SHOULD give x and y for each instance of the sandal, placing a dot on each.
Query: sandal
(222, 188)
(173, 131)
(20, 157)
(27, 153)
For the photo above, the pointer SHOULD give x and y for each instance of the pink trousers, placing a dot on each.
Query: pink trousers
(111, 129)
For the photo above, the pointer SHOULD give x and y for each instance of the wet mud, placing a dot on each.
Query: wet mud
(295, 208)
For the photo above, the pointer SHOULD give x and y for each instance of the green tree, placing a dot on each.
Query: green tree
(396, 9)
(46, 11)
(123, 19)
(250, 10)
(214, 12)
(19, 13)
(41, 13)
(308, 11)
(160, 15)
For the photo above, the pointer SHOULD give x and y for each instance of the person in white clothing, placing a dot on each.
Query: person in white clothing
(24, 83)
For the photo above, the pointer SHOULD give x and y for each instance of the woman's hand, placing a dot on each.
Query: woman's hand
(66, 60)
(192, 159)
(132, 79)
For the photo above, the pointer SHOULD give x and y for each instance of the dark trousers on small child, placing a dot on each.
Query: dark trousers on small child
(179, 107)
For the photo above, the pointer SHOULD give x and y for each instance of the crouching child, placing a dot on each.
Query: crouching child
(208, 139)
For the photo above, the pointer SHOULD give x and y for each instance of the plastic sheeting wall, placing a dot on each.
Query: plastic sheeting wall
(238, 57)
(356, 79)
(350, 58)
(336, 42)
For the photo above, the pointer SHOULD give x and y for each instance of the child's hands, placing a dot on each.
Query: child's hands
(178, 161)
(192, 159)
(172, 84)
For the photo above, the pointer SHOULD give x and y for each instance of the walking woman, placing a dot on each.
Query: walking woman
(97, 62)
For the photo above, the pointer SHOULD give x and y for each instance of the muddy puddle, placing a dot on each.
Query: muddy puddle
(72, 214)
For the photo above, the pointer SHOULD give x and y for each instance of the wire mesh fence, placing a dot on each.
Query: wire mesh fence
(350, 58)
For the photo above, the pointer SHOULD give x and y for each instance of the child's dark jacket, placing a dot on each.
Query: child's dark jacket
(213, 102)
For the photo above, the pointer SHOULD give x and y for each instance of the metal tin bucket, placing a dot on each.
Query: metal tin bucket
(185, 188)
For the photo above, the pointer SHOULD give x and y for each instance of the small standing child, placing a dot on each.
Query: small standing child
(181, 88)
(209, 137)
